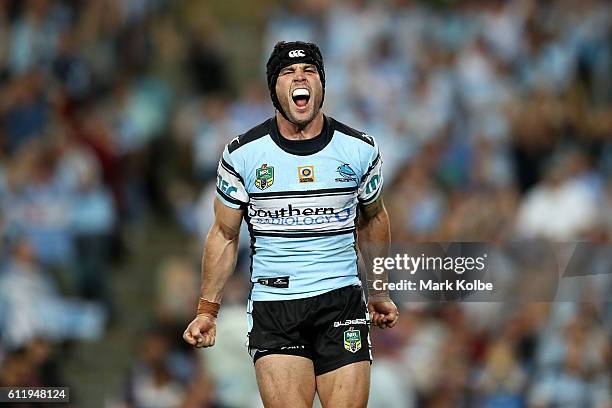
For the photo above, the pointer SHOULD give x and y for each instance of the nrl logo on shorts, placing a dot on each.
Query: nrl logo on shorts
(352, 340)
(264, 176)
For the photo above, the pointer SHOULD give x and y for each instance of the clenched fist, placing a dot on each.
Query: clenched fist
(383, 313)
(202, 331)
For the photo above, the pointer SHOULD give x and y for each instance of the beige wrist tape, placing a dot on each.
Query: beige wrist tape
(209, 308)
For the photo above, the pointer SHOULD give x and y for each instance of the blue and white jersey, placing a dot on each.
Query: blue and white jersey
(300, 201)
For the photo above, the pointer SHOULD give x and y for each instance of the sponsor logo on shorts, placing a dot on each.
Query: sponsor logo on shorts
(352, 340)
(306, 174)
(293, 347)
(350, 322)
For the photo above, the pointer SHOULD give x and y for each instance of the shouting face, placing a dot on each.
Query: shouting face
(299, 92)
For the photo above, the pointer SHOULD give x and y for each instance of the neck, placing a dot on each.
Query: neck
(292, 131)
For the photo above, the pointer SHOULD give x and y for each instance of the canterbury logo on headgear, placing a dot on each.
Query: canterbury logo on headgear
(296, 54)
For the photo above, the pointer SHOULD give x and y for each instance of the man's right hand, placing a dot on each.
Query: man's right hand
(202, 331)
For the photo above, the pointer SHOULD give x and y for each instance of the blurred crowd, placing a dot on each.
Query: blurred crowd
(494, 120)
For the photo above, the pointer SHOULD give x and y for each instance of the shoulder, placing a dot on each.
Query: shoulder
(349, 131)
(249, 136)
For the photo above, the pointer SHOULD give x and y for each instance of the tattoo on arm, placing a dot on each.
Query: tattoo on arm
(370, 211)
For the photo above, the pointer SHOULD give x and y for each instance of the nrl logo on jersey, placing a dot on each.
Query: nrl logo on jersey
(347, 173)
(264, 176)
(352, 340)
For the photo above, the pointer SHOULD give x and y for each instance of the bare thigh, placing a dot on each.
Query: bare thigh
(285, 381)
(345, 387)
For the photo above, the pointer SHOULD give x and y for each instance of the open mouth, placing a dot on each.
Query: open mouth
(300, 97)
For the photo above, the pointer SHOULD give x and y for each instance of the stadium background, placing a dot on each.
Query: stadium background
(494, 120)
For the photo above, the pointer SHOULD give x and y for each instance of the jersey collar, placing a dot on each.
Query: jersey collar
(303, 147)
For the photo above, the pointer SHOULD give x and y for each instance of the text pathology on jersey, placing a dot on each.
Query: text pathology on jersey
(297, 216)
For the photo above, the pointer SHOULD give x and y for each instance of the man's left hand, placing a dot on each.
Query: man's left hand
(383, 313)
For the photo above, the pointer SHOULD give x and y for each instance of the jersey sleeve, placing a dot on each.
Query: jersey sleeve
(230, 184)
(371, 183)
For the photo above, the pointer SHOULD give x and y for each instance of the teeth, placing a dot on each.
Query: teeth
(300, 92)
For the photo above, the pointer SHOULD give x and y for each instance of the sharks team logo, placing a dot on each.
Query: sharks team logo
(347, 173)
(264, 176)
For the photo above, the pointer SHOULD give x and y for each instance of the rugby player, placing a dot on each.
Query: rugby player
(307, 186)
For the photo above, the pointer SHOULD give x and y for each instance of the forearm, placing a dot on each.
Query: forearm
(374, 238)
(218, 263)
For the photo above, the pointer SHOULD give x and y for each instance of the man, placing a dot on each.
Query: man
(299, 180)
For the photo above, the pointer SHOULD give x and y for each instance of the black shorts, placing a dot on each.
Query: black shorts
(331, 329)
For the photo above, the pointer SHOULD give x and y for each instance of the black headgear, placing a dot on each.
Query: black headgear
(288, 53)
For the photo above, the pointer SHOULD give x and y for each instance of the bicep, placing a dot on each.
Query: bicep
(227, 220)
(374, 210)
